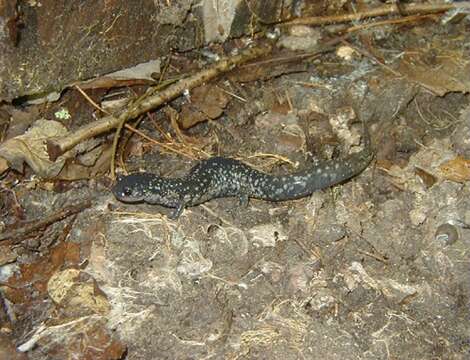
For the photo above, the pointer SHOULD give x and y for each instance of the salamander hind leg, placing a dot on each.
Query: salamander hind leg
(244, 198)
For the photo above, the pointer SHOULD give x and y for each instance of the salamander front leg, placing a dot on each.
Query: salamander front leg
(181, 203)
(175, 214)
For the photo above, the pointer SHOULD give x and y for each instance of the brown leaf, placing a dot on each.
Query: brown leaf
(207, 101)
(38, 273)
(457, 169)
(427, 178)
(190, 117)
(29, 148)
(281, 108)
(77, 293)
(3, 165)
(441, 75)
(100, 165)
(7, 255)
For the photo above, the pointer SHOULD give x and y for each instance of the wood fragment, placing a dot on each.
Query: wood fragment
(57, 147)
(28, 227)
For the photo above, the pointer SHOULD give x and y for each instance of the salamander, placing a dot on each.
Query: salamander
(219, 177)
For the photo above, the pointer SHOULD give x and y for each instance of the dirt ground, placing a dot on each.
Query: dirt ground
(374, 268)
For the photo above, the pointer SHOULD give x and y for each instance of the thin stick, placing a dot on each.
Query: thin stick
(28, 227)
(378, 258)
(373, 58)
(118, 131)
(57, 147)
(90, 100)
(133, 129)
(405, 9)
(402, 20)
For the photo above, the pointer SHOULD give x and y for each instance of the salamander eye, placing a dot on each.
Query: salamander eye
(127, 191)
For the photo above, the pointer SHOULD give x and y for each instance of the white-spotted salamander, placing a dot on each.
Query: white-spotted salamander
(224, 177)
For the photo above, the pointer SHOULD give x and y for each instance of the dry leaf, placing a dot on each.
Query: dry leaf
(96, 164)
(444, 75)
(141, 74)
(20, 120)
(30, 148)
(426, 177)
(77, 293)
(7, 255)
(206, 102)
(457, 169)
(189, 117)
(3, 165)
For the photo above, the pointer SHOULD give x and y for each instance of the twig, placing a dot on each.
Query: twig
(90, 100)
(57, 147)
(326, 48)
(28, 227)
(373, 58)
(118, 131)
(239, 98)
(405, 9)
(378, 258)
(126, 142)
(134, 130)
(390, 22)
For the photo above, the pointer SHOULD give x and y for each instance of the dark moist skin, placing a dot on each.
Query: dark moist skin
(219, 177)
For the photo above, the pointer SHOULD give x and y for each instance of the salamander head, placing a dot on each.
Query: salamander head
(149, 188)
(131, 188)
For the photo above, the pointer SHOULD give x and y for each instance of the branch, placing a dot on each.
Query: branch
(28, 227)
(57, 147)
(404, 9)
